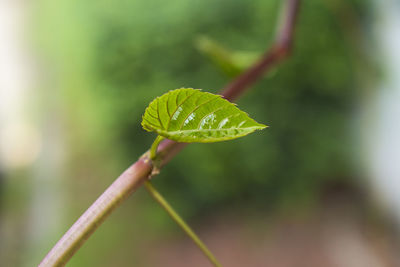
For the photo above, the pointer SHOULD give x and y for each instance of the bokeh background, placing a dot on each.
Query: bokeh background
(319, 187)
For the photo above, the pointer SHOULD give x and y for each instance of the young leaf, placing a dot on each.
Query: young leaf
(190, 115)
(232, 63)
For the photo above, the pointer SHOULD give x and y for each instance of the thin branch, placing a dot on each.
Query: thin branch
(285, 33)
(278, 51)
(137, 173)
(186, 228)
(118, 191)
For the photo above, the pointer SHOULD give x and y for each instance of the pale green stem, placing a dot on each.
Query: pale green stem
(153, 148)
(159, 198)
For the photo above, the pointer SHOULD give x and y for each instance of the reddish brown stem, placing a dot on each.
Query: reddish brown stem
(136, 174)
(278, 51)
(118, 191)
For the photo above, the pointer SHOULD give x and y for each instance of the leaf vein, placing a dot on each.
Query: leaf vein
(169, 115)
(196, 108)
(184, 100)
(151, 115)
(150, 123)
(213, 130)
(209, 114)
(158, 114)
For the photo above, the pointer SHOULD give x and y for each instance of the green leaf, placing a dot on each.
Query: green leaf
(232, 63)
(190, 115)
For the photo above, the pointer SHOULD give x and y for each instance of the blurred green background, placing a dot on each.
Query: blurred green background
(101, 63)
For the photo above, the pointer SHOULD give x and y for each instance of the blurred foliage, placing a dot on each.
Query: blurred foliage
(114, 57)
(111, 58)
(232, 63)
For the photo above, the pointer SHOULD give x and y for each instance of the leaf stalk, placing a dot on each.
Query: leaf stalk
(154, 146)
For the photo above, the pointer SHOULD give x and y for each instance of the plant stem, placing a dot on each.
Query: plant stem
(153, 148)
(118, 191)
(172, 213)
(279, 50)
(136, 174)
(168, 208)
